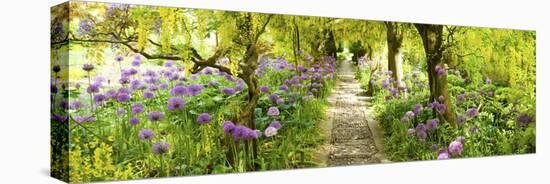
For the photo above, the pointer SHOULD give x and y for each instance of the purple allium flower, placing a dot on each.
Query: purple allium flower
(434, 147)
(441, 108)
(111, 93)
(404, 119)
(228, 91)
(85, 118)
(204, 118)
(264, 89)
(76, 105)
(270, 131)
(385, 84)
(409, 114)
(146, 134)
(134, 121)
(432, 124)
(472, 112)
(120, 111)
(420, 127)
(239, 86)
(284, 87)
(417, 109)
(460, 98)
(455, 148)
(93, 88)
(168, 63)
(148, 94)
(161, 148)
(137, 108)
(228, 127)
(524, 119)
(87, 67)
(136, 63)
(444, 155)
(178, 90)
(176, 103)
(432, 105)
(273, 111)
(119, 58)
(387, 98)
(473, 129)
(77, 86)
(56, 68)
(194, 89)
(280, 101)
(273, 98)
(123, 97)
(439, 70)
(59, 118)
(461, 119)
(163, 86)
(275, 124)
(410, 132)
(155, 116)
(99, 98)
(212, 83)
(421, 135)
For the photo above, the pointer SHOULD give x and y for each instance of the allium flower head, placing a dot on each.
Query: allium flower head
(524, 119)
(417, 109)
(409, 114)
(472, 112)
(284, 87)
(455, 148)
(161, 148)
(146, 134)
(275, 124)
(441, 108)
(85, 118)
(204, 118)
(410, 132)
(228, 91)
(119, 58)
(56, 68)
(473, 129)
(228, 127)
(148, 94)
(461, 119)
(432, 124)
(87, 67)
(270, 131)
(439, 70)
(76, 105)
(176, 103)
(444, 155)
(273, 111)
(137, 108)
(134, 121)
(178, 90)
(264, 89)
(123, 97)
(155, 116)
(93, 88)
(420, 127)
(120, 111)
(273, 98)
(421, 135)
(99, 98)
(194, 89)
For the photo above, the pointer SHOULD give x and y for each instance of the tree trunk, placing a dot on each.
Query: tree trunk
(432, 38)
(395, 39)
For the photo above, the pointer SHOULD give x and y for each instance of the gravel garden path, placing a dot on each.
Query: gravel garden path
(354, 137)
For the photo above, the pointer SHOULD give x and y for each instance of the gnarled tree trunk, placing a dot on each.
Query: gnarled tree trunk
(395, 38)
(432, 38)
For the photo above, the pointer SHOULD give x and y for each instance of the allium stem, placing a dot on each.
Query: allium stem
(91, 93)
